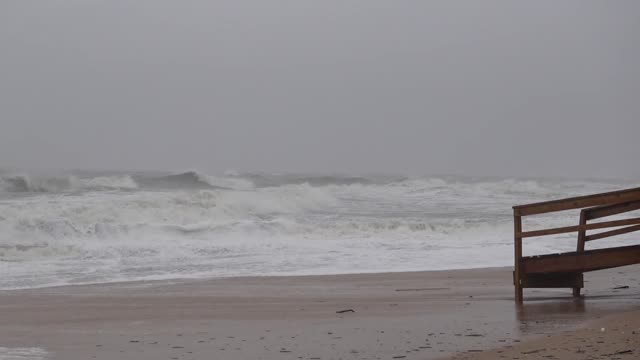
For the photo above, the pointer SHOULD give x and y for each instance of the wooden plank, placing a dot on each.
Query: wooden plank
(582, 236)
(569, 229)
(589, 260)
(608, 210)
(517, 228)
(606, 234)
(553, 280)
(582, 233)
(578, 202)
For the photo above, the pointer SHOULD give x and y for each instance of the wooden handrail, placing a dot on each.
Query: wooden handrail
(606, 234)
(577, 202)
(569, 229)
(609, 210)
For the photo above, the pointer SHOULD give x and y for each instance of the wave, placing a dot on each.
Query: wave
(142, 223)
(190, 180)
(193, 180)
(329, 180)
(390, 194)
(24, 183)
(186, 180)
(271, 180)
(28, 184)
(123, 182)
(228, 182)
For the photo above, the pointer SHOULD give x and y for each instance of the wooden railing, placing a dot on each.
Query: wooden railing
(566, 269)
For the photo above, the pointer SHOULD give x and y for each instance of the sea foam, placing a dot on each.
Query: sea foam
(23, 354)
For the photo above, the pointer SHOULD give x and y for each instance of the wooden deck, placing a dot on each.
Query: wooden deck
(567, 269)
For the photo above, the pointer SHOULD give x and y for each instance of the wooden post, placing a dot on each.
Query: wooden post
(582, 235)
(517, 276)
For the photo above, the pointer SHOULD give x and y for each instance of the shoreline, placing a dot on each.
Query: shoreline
(176, 280)
(182, 280)
(405, 315)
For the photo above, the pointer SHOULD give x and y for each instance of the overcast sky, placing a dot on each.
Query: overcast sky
(536, 88)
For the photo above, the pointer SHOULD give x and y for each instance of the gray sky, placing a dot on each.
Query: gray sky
(538, 88)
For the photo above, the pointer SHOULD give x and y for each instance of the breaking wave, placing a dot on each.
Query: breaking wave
(187, 180)
(23, 183)
(28, 184)
(317, 180)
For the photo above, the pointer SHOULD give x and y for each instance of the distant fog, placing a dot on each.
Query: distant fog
(538, 88)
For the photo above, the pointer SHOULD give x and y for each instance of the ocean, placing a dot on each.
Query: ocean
(96, 227)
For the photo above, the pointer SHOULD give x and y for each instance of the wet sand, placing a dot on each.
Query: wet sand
(412, 315)
(614, 337)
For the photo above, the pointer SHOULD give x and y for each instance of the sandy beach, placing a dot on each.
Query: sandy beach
(412, 315)
(614, 337)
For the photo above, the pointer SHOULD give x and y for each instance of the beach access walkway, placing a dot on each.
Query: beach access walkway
(565, 270)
